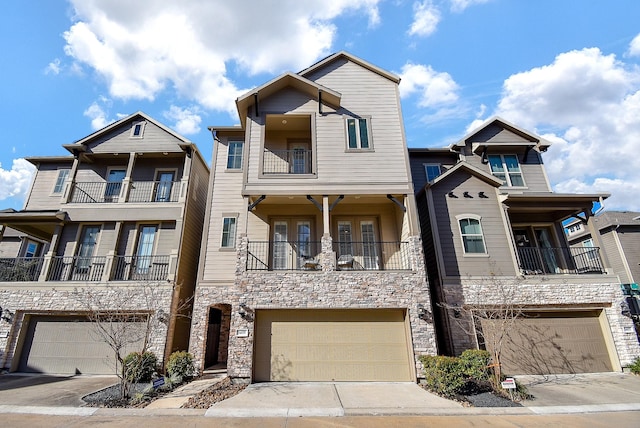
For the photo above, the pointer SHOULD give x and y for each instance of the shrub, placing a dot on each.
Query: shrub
(139, 367)
(635, 366)
(181, 364)
(475, 363)
(444, 375)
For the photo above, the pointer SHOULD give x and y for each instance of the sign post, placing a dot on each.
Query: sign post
(510, 384)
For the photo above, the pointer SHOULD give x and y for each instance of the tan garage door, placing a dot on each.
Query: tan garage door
(552, 343)
(332, 345)
(65, 345)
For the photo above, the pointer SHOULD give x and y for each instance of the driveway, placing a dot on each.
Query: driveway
(49, 391)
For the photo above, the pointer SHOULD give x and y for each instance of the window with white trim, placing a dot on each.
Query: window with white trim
(471, 233)
(432, 170)
(228, 232)
(63, 173)
(507, 169)
(137, 129)
(358, 134)
(234, 155)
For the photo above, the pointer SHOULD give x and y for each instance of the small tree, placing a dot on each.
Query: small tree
(494, 305)
(124, 318)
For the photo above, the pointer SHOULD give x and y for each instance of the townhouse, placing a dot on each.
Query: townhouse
(493, 238)
(118, 221)
(311, 264)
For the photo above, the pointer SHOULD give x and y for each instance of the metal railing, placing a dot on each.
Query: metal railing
(95, 192)
(19, 269)
(283, 255)
(76, 268)
(373, 255)
(286, 162)
(560, 260)
(154, 191)
(140, 268)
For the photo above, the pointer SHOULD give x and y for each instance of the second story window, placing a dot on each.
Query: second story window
(432, 170)
(234, 156)
(471, 232)
(137, 130)
(62, 177)
(507, 168)
(358, 134)
(228, 232)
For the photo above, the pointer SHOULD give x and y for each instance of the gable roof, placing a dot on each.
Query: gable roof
(342, 54)
(80, 145)
(532, 140)
(288, 79)
(467, 167)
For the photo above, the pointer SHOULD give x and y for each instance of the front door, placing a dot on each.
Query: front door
(164, 185)
(292, 245)
(299, 158)
(357, 243)
(114, 184)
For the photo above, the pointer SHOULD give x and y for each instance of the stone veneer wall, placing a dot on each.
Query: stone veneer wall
(23, 299)
(538, 293)
(326, 289)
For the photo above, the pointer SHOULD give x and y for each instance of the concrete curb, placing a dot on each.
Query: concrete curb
(42, 410)
(587, 408)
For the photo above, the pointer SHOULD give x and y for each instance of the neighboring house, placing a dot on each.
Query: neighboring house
(311, 265)
(493, 237)
(124, 210)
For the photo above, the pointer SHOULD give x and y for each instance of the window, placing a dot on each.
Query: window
(471, 232)
(432, 170)
(114, 184)
(507, 168)
(87, 247)
(234, 157)
(31, 249)
(228, 232)
(145, 248)
(358, 134)
(137, 129)
(62, 177)
(164, 185)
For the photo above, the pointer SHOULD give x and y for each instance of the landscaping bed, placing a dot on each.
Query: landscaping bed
(222, 390)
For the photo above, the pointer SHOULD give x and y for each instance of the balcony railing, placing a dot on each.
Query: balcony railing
(287, 162)
(140, 191)
(95, 192)
(283, 255)
(372, 255)
(560, 260)
(154, 191)
(76, 268)
(141, 268)
(19, 269)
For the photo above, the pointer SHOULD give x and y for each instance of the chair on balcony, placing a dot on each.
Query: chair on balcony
(345, 262)
(310, 263)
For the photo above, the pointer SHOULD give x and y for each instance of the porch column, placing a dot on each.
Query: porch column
(108, 264)
(46, 265)
(126, 182)
(184, 181)
(595, 235)
(325, 215)
(71, 178)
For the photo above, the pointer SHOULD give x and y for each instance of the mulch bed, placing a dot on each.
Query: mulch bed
(222, 390)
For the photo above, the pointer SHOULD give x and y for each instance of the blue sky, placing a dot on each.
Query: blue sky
(568, 70)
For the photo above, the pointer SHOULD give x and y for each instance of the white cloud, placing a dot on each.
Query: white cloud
(588, 103)
(461, 5)
(425, 19)
(187, 47)
(434, 88)
(634, 46)
(186, 121)
(53, 67)
(97, 115)
(15, 182)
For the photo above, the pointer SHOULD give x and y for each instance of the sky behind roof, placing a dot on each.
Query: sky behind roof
(567, 70)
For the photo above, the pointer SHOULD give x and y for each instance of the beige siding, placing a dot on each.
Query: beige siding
(615, 257)
(629, 239)
(42, 196)
(154, 139)
(498, 244)
(10, 247)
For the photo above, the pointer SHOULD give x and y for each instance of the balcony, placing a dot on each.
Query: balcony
(77, 268)
(141, 268)
(20, 269)
(306, 256)
(110, 192)
(297, 161)
(560, 260)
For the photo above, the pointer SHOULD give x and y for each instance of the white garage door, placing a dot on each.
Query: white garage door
(332, 345)
(66, 345)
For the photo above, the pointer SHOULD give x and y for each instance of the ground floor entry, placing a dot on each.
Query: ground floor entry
(67, 345)
(332, 345)
(553, 343)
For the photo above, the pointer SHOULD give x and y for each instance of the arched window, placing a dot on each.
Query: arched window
(471, 232)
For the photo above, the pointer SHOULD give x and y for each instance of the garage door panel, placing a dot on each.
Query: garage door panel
(67, 345)
(325, 345)
(552, 343)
